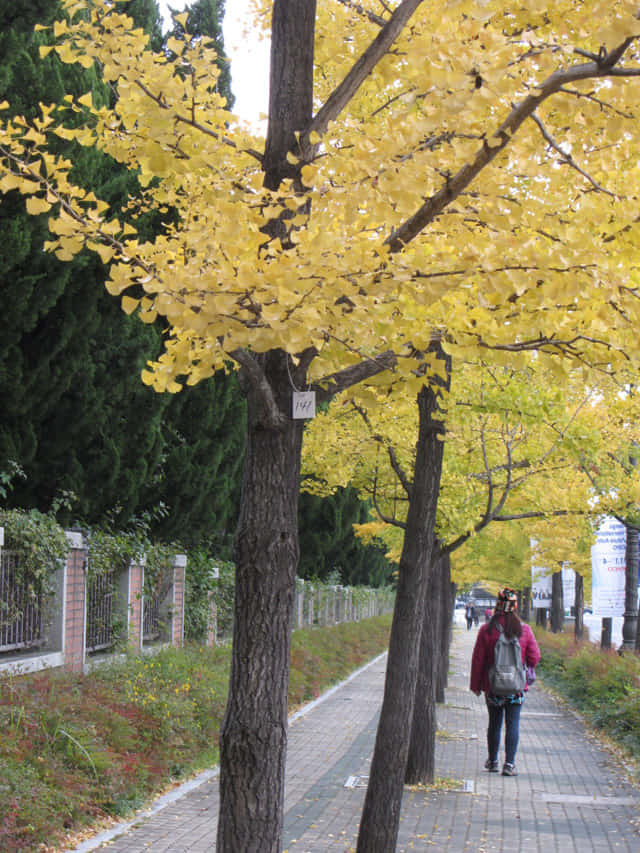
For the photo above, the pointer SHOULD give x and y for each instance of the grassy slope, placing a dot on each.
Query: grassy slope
(75, 750)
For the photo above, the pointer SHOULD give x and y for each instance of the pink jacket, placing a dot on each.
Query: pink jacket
(482, 658)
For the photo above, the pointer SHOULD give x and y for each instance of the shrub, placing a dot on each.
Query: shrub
(601, 684)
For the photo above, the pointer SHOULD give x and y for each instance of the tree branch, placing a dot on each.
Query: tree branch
(496, 143)
(346, 90)
(366, 13)
(393, 459)
(567, 158)
(271, 415)
(335, 383)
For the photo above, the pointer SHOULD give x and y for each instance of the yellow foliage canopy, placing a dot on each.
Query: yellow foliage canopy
(480, 177)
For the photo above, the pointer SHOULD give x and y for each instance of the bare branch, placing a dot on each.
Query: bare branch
(393, 459)
(271, 415)
(366, 13)
(567, 158)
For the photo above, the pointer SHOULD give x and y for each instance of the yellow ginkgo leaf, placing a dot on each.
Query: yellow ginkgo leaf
(37, 205)
(129, 304)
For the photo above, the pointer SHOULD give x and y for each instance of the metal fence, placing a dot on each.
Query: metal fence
(100, 612)
(21, 609)
(151, 618)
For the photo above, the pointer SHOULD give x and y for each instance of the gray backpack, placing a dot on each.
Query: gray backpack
(508, 675)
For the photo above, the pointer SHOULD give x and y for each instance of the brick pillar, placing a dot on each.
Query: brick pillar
(75, 594)
(212, 632)
(135, 587)
(177, 605)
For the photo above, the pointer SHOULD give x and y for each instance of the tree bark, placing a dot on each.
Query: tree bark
(578, 606)
(446, 627)
(253, 737)
(557, 606)
(605, 633)
(254, 731)
(432, 671)
(526, 604)
(422, 742)
(381, 812)
(541, 617)
(629, 625)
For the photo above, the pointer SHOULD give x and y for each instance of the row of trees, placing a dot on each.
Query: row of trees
(428, 229)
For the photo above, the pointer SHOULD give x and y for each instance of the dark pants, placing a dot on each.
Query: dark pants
(511, 714)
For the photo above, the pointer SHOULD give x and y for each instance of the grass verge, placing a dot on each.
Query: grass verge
(79, 750)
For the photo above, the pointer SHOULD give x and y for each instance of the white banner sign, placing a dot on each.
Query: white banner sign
(608, 569)
(541, 585)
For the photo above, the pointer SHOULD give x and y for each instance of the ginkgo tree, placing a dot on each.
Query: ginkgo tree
(434, 180)
(512, 445)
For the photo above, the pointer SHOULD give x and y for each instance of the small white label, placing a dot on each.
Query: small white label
(304, 404)
(215, 572)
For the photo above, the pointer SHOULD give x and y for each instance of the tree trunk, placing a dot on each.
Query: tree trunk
(254, 731)
(557, 606)
(578, 608)
(381, 812)
(422, 741)
(448, 600)
(432, 673)
(541, 617)
(253, 737)
(526, 604)
(605, 633)
(629, 625)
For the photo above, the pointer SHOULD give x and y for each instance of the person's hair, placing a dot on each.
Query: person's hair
(512, 626)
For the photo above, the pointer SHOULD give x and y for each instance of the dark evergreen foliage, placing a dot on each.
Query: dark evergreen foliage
(76, 416)
(328, 543)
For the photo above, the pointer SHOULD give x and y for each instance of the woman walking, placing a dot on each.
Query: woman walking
(504, 621)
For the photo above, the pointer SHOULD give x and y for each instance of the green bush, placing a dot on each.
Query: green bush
(601, 684)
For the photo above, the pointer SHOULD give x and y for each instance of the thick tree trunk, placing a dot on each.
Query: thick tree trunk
(254, 732)
(557, 606)
(578, 608)
(381, 812)
(629, 625)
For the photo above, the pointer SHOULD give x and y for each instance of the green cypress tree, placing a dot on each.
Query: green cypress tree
(76, 415)
(329, 546)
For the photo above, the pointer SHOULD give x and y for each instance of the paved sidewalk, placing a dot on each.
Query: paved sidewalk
(569, 795)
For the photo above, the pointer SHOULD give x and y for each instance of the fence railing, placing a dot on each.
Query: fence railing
(101, 633)
(84, 614)
(88, 614)
(21, 610)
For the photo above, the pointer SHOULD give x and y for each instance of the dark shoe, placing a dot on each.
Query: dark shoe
(491, 766)
(509, 770)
